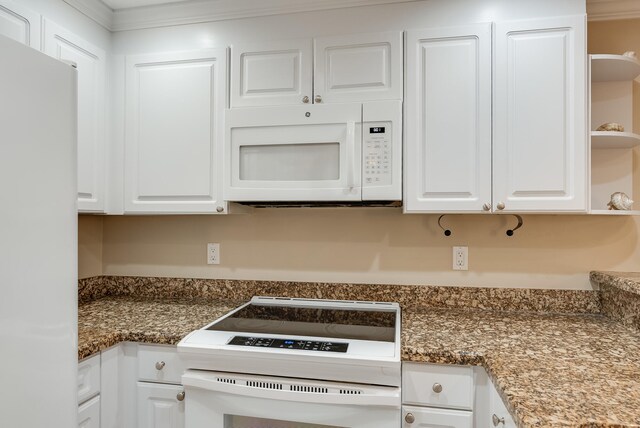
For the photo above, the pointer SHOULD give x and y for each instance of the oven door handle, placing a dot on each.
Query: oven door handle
(388, 396)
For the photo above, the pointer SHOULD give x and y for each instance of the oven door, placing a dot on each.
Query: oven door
(229, 400)
(301, 153)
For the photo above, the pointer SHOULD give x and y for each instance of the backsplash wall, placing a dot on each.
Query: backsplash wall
(366, 246)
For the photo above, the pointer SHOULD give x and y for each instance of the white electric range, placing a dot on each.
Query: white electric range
(295, 363)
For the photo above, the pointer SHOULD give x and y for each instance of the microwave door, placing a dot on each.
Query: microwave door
(281, 154)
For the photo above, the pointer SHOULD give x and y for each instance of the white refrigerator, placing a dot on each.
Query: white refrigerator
(38, 240)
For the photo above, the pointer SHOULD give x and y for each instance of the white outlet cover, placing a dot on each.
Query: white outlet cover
(460, 258)
(213, 254)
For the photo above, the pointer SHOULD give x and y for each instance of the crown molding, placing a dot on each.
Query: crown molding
(196, 11)
(94, 9)
(607, 10)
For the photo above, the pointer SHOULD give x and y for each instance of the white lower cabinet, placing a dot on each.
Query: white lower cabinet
(425, 417)
(438, 396)
(498, 414)
(89, 414)
(160, 406)
(89, 392)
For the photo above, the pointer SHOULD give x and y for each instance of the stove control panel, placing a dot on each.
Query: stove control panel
(302, 345)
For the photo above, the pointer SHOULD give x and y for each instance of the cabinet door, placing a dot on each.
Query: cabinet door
(271, 73)
(174, 132)
(358, 67)
(448, 119)
(159, 407)
(497, 411)
(540, 139)
(91, 65)
(19, 23)
(89, 414)
(427, 417)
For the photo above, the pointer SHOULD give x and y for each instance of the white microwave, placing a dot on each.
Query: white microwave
(326, 152)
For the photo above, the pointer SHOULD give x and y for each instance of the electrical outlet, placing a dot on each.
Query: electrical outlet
(213, 254)
(460, 258)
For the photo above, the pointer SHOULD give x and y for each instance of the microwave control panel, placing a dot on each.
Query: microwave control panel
(377, 154)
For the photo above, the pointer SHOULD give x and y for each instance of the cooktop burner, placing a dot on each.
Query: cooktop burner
(311, 321)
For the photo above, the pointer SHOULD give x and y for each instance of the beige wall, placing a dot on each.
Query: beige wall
(374, 245)
(89, 246)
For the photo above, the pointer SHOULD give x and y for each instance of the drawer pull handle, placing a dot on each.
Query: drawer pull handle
(496, 420)
(180, 396)
(409, 418)
(437, 388)
(159, 365)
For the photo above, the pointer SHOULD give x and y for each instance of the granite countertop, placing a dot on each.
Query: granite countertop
(551, 370)
(105, 322)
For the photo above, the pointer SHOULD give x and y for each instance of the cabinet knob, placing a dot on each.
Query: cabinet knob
(318, 99)
(220, 209)
(496, 420)
(180, 396)
(500, 206)
(305, 99)
(486, 207)
(437, 388)
(159, 365)
(409, 418)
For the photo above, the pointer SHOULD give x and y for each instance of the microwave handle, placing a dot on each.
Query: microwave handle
(351, 155)
(206, 381)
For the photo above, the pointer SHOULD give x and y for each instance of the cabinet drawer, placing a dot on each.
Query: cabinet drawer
(159, 364)
(417, 417)
(88, 378)
(421, 383)
(89, 414)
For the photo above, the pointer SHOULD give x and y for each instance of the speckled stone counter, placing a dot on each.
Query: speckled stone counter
(620, 296)
(551, 370)
(105, 322)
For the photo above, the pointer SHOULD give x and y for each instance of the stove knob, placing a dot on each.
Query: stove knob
(409, 418)
(180, 396)
(159, 365)
(437, 388)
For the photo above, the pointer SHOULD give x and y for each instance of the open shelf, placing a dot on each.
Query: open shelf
(615, 212)
(614, 68)
(614, 140)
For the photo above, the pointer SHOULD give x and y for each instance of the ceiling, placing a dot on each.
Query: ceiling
(126, 4)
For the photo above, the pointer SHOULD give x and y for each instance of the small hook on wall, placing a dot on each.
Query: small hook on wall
(518, 226)
(447, 232)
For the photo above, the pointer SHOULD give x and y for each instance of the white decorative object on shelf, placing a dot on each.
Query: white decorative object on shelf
(620, 201)
(611, 126)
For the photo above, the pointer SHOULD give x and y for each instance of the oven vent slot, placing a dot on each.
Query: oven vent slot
(264, 385)
(226, 380)
(350, 391)
(313, 389)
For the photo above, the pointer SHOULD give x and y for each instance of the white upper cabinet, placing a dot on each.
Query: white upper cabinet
(358, 67)
(19, 23)
(90, 62)
(174, 132)
(352, 68)
(531, 156)
(448, 119)
(271, 73)
(540, 132)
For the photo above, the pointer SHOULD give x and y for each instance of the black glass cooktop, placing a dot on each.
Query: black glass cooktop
(314, 322)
